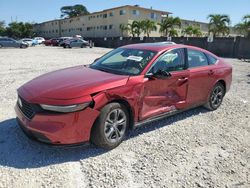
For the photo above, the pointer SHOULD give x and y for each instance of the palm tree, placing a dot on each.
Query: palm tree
(188, 31)
(135, 28)
(173, 33)
(124, 28)
(244, 26)
(197, 32)
(168, 24)
(148, 26)
(218, 24)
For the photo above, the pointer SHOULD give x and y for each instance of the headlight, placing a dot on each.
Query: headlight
(65, 109)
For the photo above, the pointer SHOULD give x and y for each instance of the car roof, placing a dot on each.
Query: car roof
(161, 46)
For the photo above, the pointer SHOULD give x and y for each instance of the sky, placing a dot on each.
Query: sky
(44, 10)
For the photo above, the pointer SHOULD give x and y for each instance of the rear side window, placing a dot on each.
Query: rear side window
(196, 59)
(212, 60)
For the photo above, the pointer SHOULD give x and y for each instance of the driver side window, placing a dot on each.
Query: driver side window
(173, 60)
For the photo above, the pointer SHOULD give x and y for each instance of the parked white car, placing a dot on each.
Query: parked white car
(39, 40)
(29, 41)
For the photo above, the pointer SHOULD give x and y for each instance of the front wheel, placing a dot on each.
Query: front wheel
(110, 127)
(216, 97)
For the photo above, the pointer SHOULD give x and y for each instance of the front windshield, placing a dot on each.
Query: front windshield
(124, 61)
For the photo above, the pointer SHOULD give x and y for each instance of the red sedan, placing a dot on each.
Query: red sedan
(123, 89)
(51, 42)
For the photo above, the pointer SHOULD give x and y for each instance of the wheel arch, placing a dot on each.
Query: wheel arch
(102, 99)
(217, 81)
(223, 83)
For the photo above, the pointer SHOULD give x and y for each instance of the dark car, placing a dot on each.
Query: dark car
(75, 42)
(9, 42)
(126, 88)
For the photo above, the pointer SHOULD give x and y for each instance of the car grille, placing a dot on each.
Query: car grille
(26, 108)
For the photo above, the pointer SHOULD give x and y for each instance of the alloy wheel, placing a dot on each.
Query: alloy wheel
(217, 96)
(115, 125)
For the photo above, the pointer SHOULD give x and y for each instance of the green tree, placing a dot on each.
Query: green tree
(192, 31)
(135, 28)
(219, 24)
(188, 30)
(148, 26)
(168, 24)
(173, 33)
(244, 26)
(124, 28)
(73, 11)
(197, 32)
(19, 30)
(2, 28)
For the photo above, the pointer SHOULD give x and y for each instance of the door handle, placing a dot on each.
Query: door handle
(211, 72)
(182, 81)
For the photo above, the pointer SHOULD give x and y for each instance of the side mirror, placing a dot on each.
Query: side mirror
(163, 74)
(160, 74)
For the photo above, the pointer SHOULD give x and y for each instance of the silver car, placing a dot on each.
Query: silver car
(9, 42)
(75, 43)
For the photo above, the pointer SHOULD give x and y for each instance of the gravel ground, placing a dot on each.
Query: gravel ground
(196, 148)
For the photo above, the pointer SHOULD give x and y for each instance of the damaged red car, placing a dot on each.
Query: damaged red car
(126, 88)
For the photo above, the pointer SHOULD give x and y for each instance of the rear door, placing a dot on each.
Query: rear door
(6, 42)
(73, 43)
(201, 77)
(161, 95)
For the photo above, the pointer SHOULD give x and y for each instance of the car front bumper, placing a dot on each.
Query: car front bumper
(59, 128)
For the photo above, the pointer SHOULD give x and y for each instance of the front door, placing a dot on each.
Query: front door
(161, 95)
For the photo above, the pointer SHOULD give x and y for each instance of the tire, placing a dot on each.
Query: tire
(23, 46)
(107, 132)
(1, 45)
(216, 97)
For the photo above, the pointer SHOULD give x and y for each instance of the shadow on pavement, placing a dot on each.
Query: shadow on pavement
(18, 151)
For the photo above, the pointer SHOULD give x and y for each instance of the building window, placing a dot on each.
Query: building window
(97, 27)
(56, 31)
(110, 26)
(100, 15)
(80, 29)
(111, 14)
(105, 27)
(153, 15)
(122, 12)
(105, 15)
(136, 12)
(97, 16)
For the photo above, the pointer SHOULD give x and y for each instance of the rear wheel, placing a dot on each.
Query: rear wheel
(1, 45)
(216, 97)
(110, 128)
(23, 46)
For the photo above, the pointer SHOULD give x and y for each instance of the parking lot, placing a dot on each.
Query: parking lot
(196, 148)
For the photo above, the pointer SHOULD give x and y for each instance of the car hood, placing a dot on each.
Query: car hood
(70, 83)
